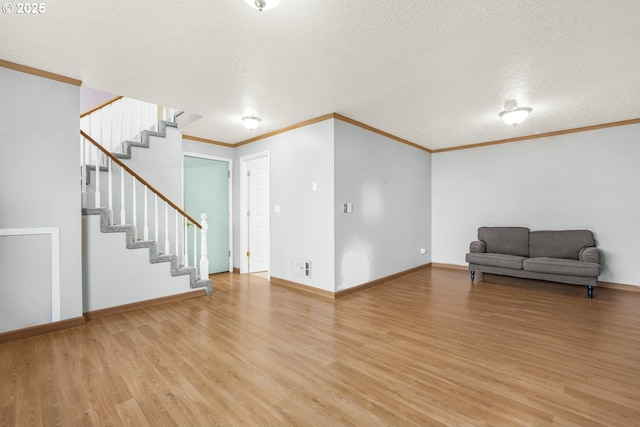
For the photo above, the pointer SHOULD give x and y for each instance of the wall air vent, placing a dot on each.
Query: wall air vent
(301, 267)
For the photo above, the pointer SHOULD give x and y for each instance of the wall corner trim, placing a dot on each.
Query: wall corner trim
(206, 141)
(380, 132)
(379, 281)
(95, 314)
(39, 73)
(299, 287)
(286, 129)
(40, 329)
(316, 120)
(619, 286)
(449, 266)
(539, 135)
(608, 285)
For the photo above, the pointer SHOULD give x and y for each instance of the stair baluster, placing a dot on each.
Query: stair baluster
(134, 205)
(110, 173)
(156, 237)
(204, 258)
(177, 235)
(167, 249)
(195, 249)
(185, 254)
(144, 116)
(97, 193)
(123, 219)
(146, 215)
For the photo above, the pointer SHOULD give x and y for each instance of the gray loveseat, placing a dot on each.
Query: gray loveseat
(567, 256)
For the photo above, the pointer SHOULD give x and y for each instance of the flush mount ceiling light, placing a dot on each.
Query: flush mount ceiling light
(514, 115)
(262, 4)
(251, 122)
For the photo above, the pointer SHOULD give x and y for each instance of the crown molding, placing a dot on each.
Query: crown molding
(539, 135)
(207, 141)
(380, 132)
(287, 129)
(39, 73)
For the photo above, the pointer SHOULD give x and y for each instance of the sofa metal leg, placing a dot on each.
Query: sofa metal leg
(473, 275)
(590, 291)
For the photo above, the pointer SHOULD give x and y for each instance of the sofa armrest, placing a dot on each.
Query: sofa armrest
(477, 247)
(590, 254)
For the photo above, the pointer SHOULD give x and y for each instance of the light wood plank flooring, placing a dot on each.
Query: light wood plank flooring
(428, 349)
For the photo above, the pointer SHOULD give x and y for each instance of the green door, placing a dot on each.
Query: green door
(206, 190)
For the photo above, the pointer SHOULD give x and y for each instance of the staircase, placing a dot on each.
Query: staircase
(117, 201)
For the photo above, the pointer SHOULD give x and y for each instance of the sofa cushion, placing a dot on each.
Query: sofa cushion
(505, 240)
(567, 267)
(591, 254)
(496, 260)
(565, 244)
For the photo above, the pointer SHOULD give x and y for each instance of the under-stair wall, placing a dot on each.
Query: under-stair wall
(116, 274)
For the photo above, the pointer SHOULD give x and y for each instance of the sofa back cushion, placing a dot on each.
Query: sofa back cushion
(565, 244)
(505, 240)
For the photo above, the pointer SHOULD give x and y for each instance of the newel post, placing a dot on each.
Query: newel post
(204, 259)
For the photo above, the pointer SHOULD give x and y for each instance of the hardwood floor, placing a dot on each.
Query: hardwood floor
(427, 349)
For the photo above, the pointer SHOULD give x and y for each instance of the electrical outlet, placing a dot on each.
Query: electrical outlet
(423, 251)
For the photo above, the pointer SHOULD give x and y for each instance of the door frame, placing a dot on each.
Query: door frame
(244, 196)
(220, 159)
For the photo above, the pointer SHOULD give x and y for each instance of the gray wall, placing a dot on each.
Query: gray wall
(586, 180)
(39, 175)
(25, 259)
(389, 186)
(304, 227)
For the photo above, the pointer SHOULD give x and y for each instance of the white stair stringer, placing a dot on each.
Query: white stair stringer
(115, 275)
(128, 144)
(144, 139)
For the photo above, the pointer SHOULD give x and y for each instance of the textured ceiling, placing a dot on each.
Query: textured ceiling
(436, 73)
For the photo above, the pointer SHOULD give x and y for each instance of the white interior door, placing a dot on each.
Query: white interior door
(258, 214)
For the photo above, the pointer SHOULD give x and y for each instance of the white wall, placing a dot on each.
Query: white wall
(115, 275)
(304, 228)
(161, 164)
(587, 180)
(39, 177)
(389, 186)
